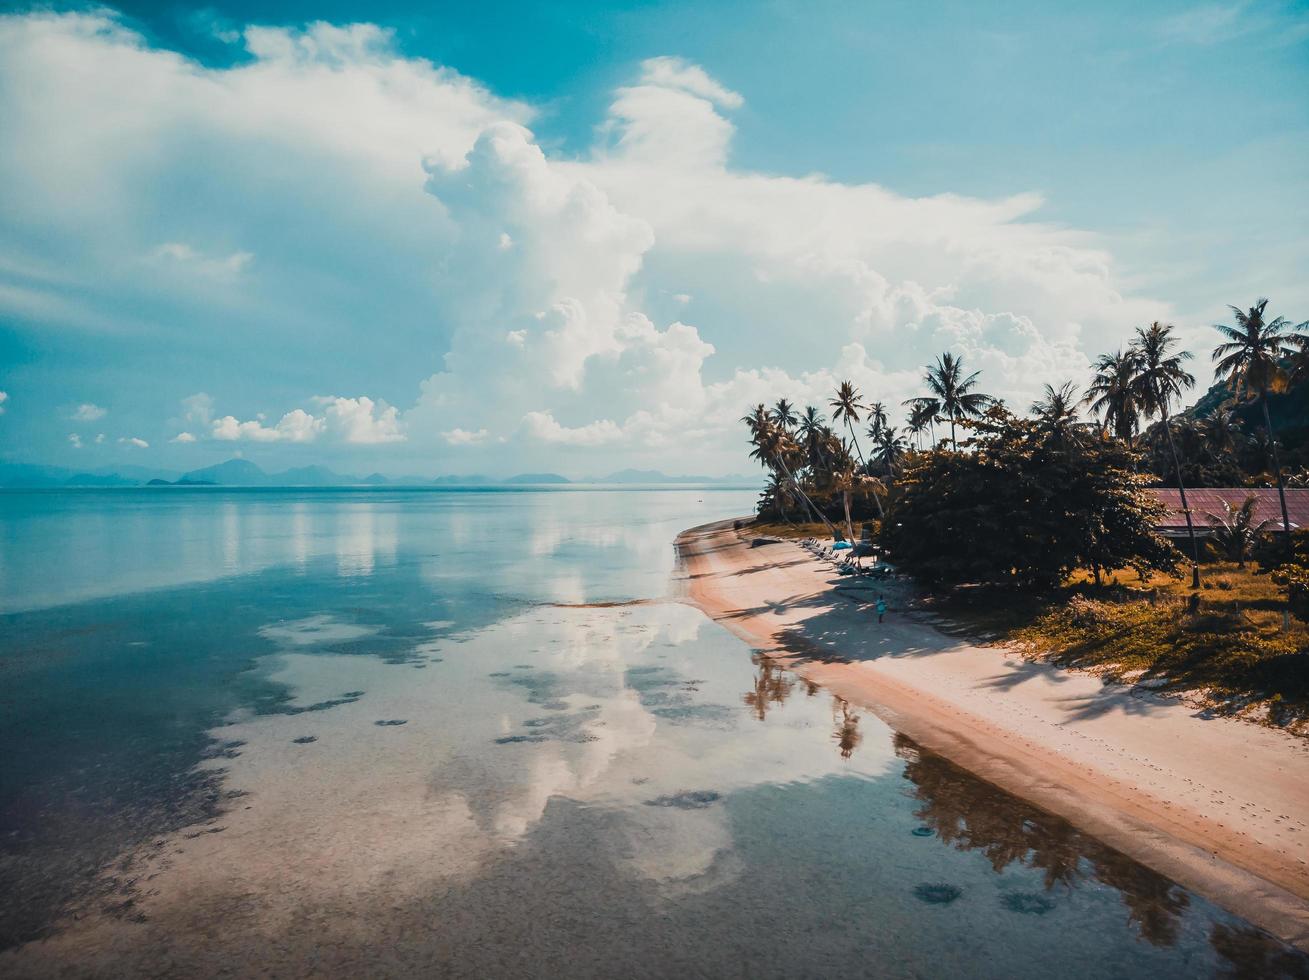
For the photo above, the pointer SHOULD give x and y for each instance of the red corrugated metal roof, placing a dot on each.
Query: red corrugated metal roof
(1209, 500)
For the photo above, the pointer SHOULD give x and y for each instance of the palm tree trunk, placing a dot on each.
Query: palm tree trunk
(849, 524)
(795, 483)
(953, 441)
(1281, 486)
(1186, 508)
(855, 439)
(862, 463)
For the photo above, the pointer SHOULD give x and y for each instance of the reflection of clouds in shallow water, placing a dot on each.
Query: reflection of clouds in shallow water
(364, 534)
(315, 631)
(578, 711)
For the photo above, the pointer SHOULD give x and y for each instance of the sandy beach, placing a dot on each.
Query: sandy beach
(1218, 804)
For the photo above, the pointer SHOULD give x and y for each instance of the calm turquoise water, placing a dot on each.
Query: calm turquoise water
(382, 733)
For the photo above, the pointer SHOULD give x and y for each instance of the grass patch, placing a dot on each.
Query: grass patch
(1226, 642)
(777, 529)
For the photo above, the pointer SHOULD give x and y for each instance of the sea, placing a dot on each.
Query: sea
(392, 733)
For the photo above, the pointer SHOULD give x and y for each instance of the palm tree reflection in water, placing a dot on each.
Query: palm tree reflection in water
(846, 734)
(972, 815)
(772, 685)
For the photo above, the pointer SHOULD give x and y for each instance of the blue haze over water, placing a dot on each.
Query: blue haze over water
(389, 733)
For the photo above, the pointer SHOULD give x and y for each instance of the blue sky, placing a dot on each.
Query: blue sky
(476, 238)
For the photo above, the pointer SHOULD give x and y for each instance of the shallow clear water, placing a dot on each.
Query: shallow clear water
(380, 733)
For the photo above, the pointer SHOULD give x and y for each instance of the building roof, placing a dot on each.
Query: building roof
(1209, 500)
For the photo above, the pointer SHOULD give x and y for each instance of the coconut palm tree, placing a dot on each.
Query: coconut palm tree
(922, 415)
(1251, 362)
(953, 391)
(1112, 394)
(811, 429)
(876, 420)
(1223, 434)
(890, 449)
(1056, 413)
(784, 414)
(846, 405)
(1160, 377)
(1235, 531)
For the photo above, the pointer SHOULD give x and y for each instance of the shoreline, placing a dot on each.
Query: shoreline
(1219, 805)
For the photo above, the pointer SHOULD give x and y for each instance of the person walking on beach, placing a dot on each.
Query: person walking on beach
(881, 607)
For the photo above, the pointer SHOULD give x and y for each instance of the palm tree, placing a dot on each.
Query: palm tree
(1251, 362)
(1222, 433)
(1056, 413)
(784, 413)
(811, 429)
(771, 445)
(1160, 377)
(876, 420)
(1113, 395)
(1235, 531)
(846, 406)
(922, 414)
(890, 449)
(954, 392)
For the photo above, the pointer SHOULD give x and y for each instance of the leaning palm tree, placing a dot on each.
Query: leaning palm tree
(1056, 413)
(1235, 531)
(1251, 362)
(1161, 377)
(1112, 394)
(954, 392)
(773, 445)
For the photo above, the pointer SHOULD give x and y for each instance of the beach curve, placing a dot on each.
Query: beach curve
(1217, 804)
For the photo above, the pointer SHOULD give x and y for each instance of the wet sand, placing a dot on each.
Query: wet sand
(1215, 803)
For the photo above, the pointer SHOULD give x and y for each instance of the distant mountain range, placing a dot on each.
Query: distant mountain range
(244, 473)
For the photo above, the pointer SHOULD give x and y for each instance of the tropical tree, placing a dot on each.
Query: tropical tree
(846, 405)
(812, 429)
(1022, 510)
(1161, 377)
(891, 448)
(1056, 414)
(877, 421)
(1251, 362)
(954, 392)
(1235, 531)
(784, 414)
(922, 413)
(1223, 434)
(1113, 395)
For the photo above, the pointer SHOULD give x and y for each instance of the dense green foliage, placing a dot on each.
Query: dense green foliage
(1022, 502)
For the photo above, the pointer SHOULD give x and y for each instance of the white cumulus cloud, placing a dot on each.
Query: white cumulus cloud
(543, 427)
(507, 287)
(88, 412)
(462, 437)
(134, 441)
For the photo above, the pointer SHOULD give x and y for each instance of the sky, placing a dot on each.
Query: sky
(492, 238)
